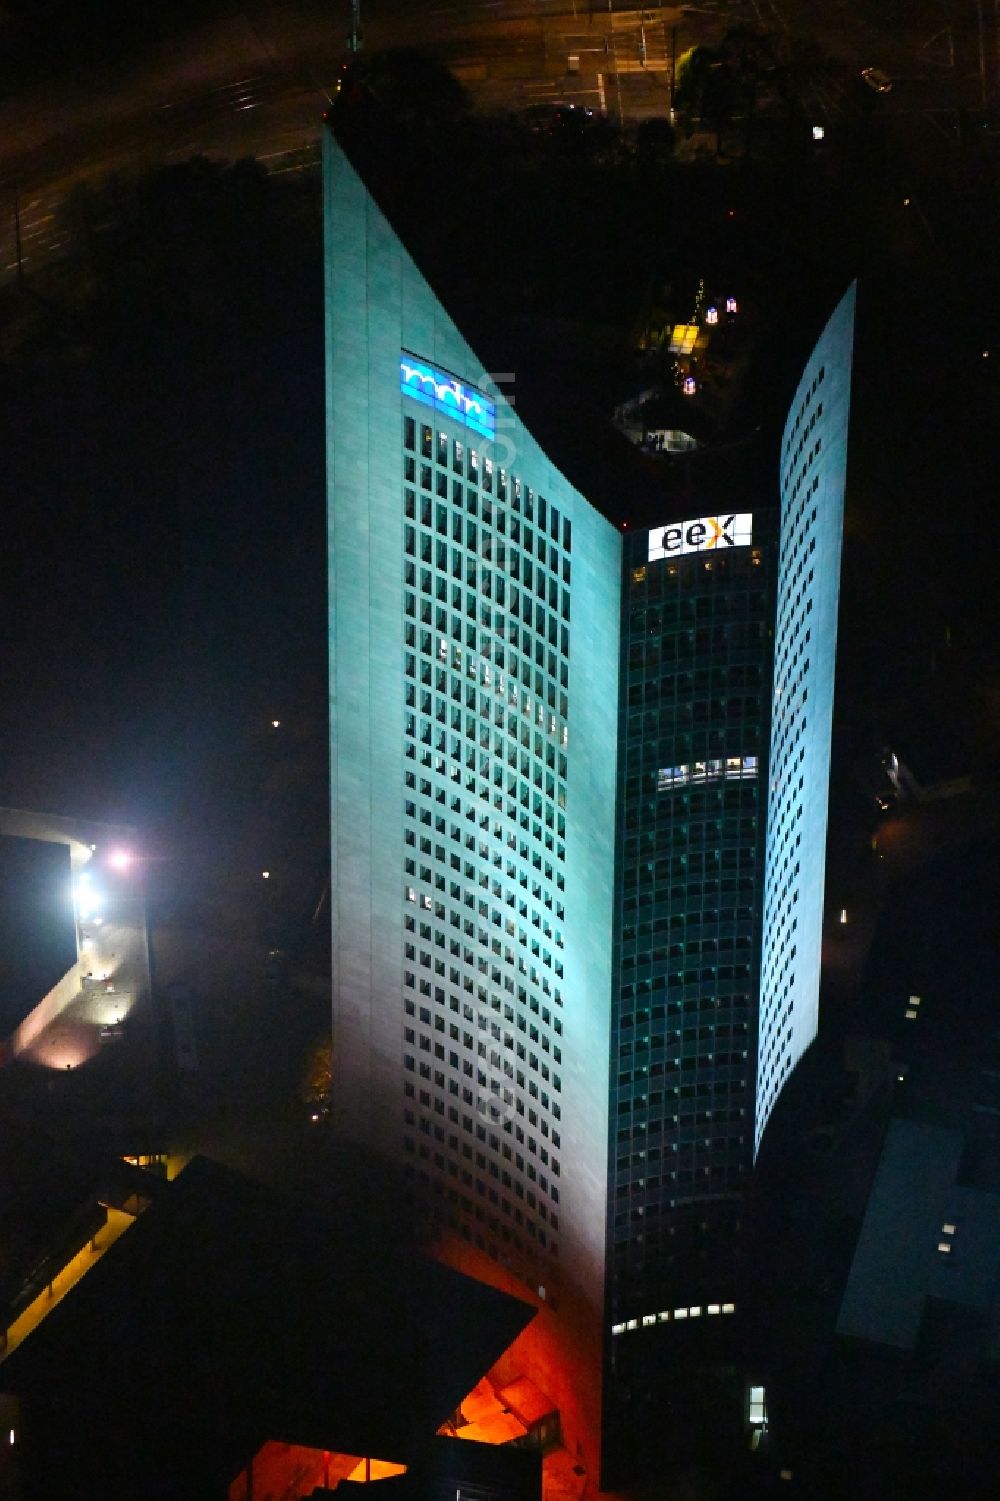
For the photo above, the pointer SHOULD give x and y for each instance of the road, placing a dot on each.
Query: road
(254, 82)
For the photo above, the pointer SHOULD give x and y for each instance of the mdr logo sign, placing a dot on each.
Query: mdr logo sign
(706, 534)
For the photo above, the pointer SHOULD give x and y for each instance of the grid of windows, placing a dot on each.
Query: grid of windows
(813, 477)
(696, 652)
(487, 572)
(790, 741)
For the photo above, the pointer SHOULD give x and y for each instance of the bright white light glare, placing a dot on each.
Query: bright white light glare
(843, 914)
(87, 945)
(818, 132)
(276, 724)
(87, 900)
(265, 875)
(12, 1435)
(120, 860)
(98, 922)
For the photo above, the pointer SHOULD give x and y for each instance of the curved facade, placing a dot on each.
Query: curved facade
(572, 963)
(474, 692)
(813, 480)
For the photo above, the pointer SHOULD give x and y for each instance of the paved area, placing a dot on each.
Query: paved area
(113, 973)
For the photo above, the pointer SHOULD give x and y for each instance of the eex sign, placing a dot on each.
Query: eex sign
(706, 534)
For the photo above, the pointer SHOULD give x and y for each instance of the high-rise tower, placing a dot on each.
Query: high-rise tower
(813, 482)
(474, 625)
(553, 882)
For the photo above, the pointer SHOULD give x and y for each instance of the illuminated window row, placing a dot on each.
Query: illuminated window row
(730, 769)
(488, 671)
(672, 1316)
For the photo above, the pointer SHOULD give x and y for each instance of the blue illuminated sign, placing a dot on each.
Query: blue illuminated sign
(448, 395)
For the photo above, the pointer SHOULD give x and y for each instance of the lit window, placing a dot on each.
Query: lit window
(944, 1246)
(948, 1229)
(683, 338)
(729, 1307)
(617, 1328)
(680, 1313)
(714, 1308)
(910, 1014)
(695, 1312)
(632, 1324)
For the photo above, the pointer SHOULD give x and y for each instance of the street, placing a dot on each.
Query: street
(254, 83)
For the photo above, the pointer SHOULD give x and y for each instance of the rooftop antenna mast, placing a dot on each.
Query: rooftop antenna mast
(354, 40)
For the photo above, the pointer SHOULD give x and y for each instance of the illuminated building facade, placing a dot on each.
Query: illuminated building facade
(474, 609)
(813, 480)
(549, 773)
